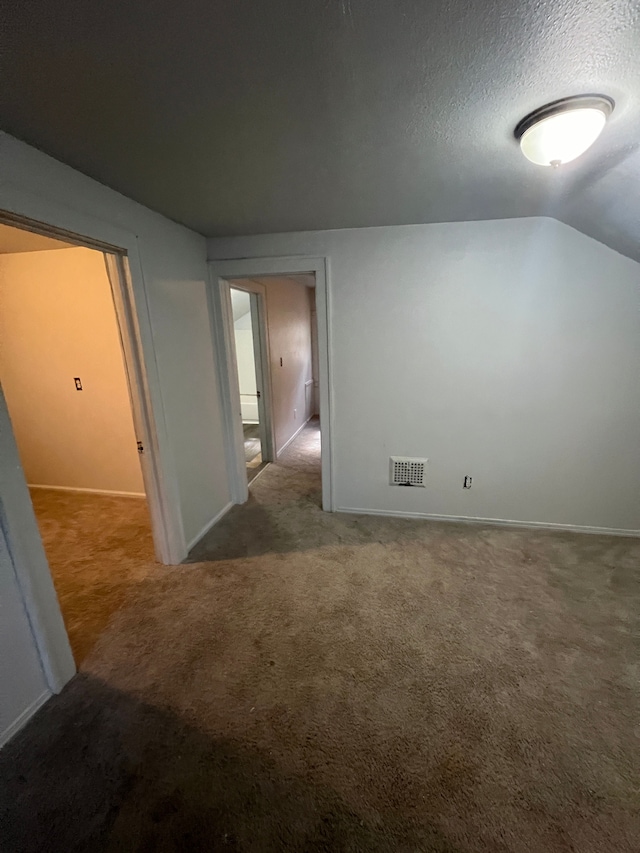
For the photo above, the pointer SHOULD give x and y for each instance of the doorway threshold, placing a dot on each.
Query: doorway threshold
(254, 473)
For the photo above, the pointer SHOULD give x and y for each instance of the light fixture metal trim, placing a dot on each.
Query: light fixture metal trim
(563, 107)
(577, 102)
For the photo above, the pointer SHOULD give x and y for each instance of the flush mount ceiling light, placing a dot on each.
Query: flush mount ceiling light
(563, 130)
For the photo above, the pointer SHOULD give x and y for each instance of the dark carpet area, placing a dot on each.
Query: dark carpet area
(317, 682)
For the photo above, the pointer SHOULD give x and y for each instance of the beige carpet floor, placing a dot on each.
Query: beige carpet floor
(316, 682)
(99, 548)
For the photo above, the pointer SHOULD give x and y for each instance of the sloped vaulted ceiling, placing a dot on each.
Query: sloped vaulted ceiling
(238, 117)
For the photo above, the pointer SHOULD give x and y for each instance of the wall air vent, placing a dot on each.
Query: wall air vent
(406, 471)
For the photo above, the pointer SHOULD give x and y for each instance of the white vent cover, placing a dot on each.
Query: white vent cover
(406, 471)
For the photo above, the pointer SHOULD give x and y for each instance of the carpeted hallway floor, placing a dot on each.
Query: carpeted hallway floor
(317, 682)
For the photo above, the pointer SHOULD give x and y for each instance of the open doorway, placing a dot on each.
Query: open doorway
(274, 349)
(252, 379)
(64, 378)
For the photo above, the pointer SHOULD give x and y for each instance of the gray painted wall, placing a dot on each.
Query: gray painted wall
(508, 350)
(168, 266)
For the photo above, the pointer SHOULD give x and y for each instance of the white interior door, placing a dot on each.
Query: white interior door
(21, 675)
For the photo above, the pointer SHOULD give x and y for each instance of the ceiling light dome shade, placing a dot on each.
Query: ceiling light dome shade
(563, 130)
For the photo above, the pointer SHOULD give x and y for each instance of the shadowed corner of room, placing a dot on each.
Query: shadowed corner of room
(256, 530)
(98, 768)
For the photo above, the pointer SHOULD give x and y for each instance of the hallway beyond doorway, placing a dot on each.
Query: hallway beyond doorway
(295, 481)
(274, 354)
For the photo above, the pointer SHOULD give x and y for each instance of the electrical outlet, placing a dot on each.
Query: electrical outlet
(466, 483)
(78, 383)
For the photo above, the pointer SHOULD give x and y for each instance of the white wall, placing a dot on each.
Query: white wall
(289, 328)
(169, 273)
(169, 279)
(506, 350)
(245, 358)
(22, 681)
(57, 321)
(246, 375)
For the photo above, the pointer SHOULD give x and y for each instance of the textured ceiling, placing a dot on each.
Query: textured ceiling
(238, 117)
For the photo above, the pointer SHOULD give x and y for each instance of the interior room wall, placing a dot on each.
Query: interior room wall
(245, 358)
(289, 322)
(58, 322)
(169, 280)
(22, 683)
(505, 350)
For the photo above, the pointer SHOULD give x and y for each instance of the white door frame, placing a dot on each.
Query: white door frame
(141, 407)
(220, 272)
(262, 362)
(16, 511)
(262, 359)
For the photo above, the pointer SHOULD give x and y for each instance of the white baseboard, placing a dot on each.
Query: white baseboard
(495, 522)
(24, 718)
(294, 436)
(89, 491)
(209, 525)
